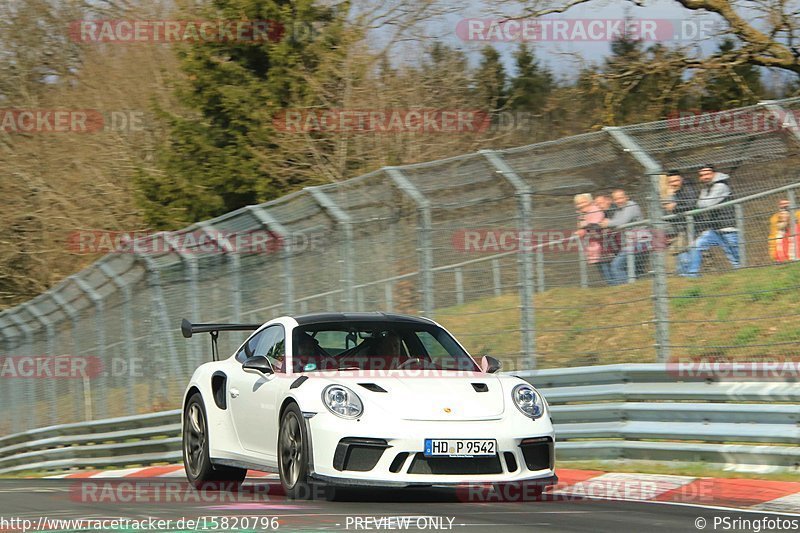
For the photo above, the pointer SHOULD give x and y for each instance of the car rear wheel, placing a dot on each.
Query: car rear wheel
(293, 454)
(202, 474)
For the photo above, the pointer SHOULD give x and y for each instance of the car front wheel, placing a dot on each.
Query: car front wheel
(293, 454)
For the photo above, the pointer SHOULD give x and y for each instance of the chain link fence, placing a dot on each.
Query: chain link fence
(484, 243)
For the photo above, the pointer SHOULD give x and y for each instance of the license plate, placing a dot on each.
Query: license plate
(460, 447)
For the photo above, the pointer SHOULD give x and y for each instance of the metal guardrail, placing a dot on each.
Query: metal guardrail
(641, 411)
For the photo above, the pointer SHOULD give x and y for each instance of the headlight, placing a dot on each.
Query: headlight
(341, 401)
(528, 401)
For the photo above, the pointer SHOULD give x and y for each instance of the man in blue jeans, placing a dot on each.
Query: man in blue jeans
(718, 226)
(634, 240)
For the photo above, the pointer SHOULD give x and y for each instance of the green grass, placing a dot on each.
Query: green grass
(702, 322)
(674, 468)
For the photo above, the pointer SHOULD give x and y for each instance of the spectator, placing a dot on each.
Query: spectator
(680, 198)
(780, 234)
(718, 226)
(590, 219)
(634, 240)
(604, 202)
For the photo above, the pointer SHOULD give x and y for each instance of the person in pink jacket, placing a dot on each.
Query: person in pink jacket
(590, 231)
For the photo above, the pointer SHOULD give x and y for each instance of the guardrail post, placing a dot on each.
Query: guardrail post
(661, 301)
(272, 225)
(345, 223)
(524, 259)
(740, 230)
(51, 353)
(24, 414)
(127, 332)
(97, 301)
(793, 251)
(77, 393)
(425, 234)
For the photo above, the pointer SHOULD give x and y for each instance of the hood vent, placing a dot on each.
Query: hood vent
(373, 387)
(480, 387)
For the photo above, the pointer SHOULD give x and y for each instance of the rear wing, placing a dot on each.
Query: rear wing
(188, 329)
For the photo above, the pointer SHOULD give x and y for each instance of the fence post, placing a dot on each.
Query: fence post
(344, 221)
(234, 267)
(497, 278)
(524, 259)
(781, 113)
(425, 234)
(24, 414)
(77, 396)
(793, 251)
(740, 230)
(192, 274)
(6, 393)
(127, 331)
(582, 264)
(660, 296)
(631, 257)
(272, 224)
(459, 285)
(387, 296)
(162, 317)
(51, 353)
(97, 301)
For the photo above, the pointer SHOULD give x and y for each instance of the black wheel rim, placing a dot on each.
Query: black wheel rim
(194, 439)
(291, 453)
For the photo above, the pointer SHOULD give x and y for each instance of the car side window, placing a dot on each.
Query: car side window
(277, 352)
(269, 342)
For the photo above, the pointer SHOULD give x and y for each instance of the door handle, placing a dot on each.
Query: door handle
(234, 393)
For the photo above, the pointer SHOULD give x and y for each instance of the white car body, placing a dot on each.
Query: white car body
(414, 407)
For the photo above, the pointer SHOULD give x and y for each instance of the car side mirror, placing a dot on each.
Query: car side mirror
(490, 365)
(258, 364)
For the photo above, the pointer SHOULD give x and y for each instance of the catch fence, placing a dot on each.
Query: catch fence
(484, 243)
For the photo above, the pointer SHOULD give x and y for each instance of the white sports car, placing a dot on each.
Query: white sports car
(365, 399)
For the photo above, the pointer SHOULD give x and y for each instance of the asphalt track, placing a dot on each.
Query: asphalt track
(59, 499)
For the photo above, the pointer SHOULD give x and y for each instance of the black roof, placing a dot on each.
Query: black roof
(317, 318)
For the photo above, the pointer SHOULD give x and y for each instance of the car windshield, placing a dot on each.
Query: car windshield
(377, 346)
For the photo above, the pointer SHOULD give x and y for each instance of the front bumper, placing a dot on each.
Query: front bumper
(390, 452)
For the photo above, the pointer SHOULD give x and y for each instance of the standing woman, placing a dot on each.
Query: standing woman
(590, 217)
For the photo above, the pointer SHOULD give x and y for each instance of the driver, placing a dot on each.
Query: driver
(388, 345)
(305, 351)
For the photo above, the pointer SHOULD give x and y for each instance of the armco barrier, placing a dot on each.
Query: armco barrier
(640, 411)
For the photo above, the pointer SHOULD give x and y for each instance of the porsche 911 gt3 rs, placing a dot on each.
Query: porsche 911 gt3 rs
(366, 399)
